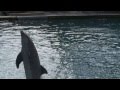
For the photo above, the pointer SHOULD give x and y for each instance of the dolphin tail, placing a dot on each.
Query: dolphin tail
(43, 70)
(19, 60)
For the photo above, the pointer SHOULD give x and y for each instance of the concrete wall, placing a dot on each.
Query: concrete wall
(45, 13)
(4, 13)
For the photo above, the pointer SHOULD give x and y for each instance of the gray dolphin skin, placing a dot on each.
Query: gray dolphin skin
(30, 58)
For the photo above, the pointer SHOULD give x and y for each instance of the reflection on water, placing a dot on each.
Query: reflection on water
(69, 48)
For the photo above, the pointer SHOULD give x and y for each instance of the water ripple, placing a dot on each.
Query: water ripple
(67, 48)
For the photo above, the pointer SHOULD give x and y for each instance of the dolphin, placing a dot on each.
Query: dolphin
(30, 58)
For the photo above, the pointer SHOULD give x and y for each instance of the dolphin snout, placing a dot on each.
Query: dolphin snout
(22, 32)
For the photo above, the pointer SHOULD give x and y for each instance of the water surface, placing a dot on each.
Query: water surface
(67, 48)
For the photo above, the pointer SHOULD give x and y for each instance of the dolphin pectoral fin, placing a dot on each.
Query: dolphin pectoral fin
(19, 60)
(43, 70)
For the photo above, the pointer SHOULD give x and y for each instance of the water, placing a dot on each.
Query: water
(69, 48)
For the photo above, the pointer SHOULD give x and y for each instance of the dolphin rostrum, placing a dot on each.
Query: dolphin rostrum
(30, 58)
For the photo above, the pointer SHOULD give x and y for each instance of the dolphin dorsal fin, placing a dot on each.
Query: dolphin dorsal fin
(43, 70)
(19, 60)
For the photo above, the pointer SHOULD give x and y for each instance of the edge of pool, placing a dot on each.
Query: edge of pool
(58, 16)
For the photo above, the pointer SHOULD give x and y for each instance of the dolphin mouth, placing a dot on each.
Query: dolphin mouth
(23, 34)
(25, 37)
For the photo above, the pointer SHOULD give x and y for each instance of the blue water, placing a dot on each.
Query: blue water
(68, 48)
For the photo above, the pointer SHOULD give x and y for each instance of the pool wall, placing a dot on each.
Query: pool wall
(56, 17)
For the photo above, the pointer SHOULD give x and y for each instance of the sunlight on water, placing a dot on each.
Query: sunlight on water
(68, 49)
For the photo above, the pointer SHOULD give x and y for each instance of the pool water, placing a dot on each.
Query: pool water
(86, 48)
